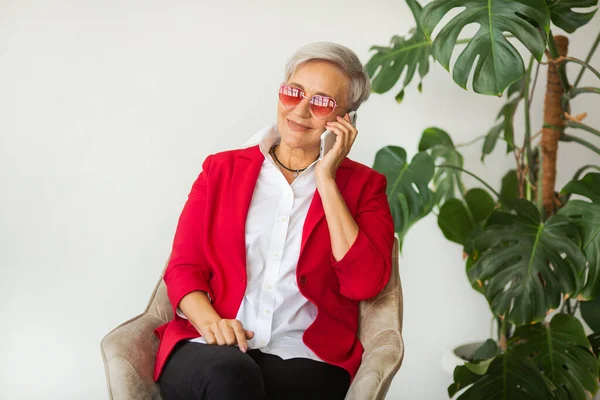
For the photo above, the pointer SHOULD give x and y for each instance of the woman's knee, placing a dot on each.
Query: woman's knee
(213, 372)
(235, 368)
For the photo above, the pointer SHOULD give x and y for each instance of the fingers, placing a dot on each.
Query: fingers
(345, 121)
(240, 335)
(344, 128)
(227, 332)
(208, 335)
(216, 329)
(341, 141)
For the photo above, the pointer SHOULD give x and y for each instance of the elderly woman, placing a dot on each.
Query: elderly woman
(274, 250)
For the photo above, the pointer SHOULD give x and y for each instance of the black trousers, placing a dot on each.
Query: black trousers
(210, 372)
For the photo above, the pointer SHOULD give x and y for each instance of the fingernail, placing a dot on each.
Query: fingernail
(243, 348)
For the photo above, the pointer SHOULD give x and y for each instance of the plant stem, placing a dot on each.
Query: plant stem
(569, 138)
(527, 157)
(470, 142)
(585, 127)
(586, 89)
(564, 304)
(587, 59)
(580, 170)
(578, 61)
(477, 139)
(540, 184)
(537, 71)
(473, 175)
(503, 342)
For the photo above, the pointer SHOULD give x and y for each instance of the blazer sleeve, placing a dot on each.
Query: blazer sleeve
(365, 269)
(188, 269)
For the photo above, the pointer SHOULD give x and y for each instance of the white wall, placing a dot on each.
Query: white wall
(107, 110)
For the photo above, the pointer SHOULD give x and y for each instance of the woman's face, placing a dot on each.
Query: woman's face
(312, 77)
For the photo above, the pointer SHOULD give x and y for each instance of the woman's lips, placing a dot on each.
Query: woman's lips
(298, 128)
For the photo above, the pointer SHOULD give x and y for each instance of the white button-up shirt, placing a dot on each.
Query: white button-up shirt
(273, 307)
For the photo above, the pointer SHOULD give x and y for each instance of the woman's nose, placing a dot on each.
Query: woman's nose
(303, 108)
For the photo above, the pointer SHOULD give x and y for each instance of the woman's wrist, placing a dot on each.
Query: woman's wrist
(198, 309)
(324, 180)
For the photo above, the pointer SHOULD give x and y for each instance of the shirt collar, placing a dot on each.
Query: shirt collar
(265, 138)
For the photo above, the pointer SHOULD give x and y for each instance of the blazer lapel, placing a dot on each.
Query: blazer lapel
(316, 211)
(243, 182)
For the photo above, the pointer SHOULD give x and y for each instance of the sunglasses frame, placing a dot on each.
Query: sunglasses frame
(302, 94)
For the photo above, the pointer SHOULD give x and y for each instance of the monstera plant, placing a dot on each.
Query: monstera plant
(532, 251)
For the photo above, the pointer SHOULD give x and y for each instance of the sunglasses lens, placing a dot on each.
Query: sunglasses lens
(289, 96)
(322, 106)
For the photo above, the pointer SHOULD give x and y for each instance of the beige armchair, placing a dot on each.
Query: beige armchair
(129, 350)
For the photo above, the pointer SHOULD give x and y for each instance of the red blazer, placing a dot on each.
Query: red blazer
(209, 253)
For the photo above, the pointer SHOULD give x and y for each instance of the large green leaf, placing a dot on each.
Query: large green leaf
(524, 265)
(561, 351)
(387, 64)
(588, 186)
(586, 215)
(563, 15)
(497, 62)
(408, 185)
(439, 145)
(458, 219)
(508, 377)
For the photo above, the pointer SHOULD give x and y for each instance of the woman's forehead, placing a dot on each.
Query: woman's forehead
(321, 78)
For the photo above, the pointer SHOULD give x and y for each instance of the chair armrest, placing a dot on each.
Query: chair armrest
(380, 362)
(128, 353)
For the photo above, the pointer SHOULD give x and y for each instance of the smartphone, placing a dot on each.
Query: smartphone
(328, 137)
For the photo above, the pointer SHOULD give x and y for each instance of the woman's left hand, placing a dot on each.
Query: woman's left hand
(345, 134)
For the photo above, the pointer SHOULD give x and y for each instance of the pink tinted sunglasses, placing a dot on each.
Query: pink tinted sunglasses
(321, 106)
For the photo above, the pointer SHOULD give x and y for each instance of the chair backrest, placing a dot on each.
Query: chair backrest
(159, 304)
(383, 312)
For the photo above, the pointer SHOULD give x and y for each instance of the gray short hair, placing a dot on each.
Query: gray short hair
(360, 85)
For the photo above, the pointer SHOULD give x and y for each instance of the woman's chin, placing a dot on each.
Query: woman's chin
(295, 139)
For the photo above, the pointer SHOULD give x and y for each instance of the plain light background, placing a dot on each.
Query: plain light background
(107, 110)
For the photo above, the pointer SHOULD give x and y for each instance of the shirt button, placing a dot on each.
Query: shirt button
(302, 280)
(267, 312)
(270, 287)
(262, 343)
(283, 219)
(275, 255)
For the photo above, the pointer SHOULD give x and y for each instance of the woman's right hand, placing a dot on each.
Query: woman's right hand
(226, 332)
(198, 309)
